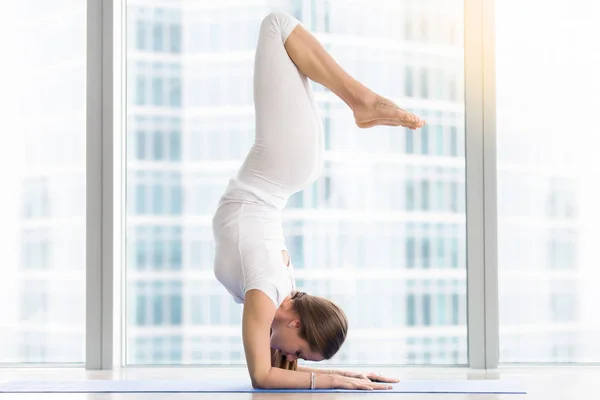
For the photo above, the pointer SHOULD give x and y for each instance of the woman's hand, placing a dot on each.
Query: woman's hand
(367, 376)
(346, 382)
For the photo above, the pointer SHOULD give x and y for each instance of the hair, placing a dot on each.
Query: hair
(323, 325)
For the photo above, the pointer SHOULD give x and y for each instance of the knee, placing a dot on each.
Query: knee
(276, 21)
(276, 17)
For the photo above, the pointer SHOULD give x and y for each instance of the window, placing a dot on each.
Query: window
(175, 36)
(175, 146)
(425, 195)
(410, 310)
(408, 81)
(175, 92)
(424, 139)
(424, 83)
(426, 253)
(410, 141)
(141, 35)
(410, 195)
(140, 145)
(385, 208)
(157, 37)
(140, 90)
(439, 140)
(43, 175)
(427, 310)
(548, 214)
(158, 97)
(453, 142)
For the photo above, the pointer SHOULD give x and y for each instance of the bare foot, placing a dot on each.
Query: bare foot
(382, 111)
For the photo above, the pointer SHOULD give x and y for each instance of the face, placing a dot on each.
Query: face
(288, 341)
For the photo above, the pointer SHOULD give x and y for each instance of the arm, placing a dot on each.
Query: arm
(258, 315)
(367, 376)
(320, 371)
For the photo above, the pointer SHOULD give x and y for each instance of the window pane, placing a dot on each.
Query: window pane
(390, 202)
(42, 173)
(548, 167)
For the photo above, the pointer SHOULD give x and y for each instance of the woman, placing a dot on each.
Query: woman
(279, 324)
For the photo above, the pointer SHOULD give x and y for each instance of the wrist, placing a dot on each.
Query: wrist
(324, 381)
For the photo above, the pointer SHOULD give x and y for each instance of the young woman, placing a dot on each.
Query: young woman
(279, 324)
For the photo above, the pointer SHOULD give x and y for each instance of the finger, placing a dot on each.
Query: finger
(380, 378)
(381, 387)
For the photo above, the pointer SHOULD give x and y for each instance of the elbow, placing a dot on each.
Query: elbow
(257, 385)
(260, 382)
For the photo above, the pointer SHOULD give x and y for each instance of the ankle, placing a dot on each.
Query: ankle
(360, 97)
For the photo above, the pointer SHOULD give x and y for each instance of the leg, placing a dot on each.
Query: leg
(288, 148)
(369, 108)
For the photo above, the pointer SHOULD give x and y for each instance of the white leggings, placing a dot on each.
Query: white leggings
(287, 154)
(286, 157)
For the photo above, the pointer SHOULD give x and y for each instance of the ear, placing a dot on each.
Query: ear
(295, 324)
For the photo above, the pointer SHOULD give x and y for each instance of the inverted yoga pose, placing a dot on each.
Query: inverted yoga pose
(280, 324)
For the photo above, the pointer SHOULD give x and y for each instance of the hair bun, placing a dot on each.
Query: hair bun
(298, 295)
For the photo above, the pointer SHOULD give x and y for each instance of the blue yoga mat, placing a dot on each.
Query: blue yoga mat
(187, 386)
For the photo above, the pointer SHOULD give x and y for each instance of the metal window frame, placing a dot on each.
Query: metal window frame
(105, 227)
(105, 190)
(481, 186)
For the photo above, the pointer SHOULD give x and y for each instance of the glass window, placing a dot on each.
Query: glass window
(140, 199)
(157, 146)
(548, 197)
(158, 258)
(426, 253)
(176, 199)
(439, 140)
(140, 90)
(410, 310)
(425, 139)
(424, 83)
(140, 310)
(141, 35)
(175, 146)
(175, 303)
(453, 141)
(425, 195)
(175, 92)
(455, 309)
(193, 147)
(157, 199)
(157, 308)
(141, 254)
(175, 254)
(157, 37)
(175, 35)
(410, 252)
(441, 310)
(215, 310)
(408, 81)
(427, 310)
(140, 139)
(158, 96)
(43, 176)
(410, 141)
(410, 195)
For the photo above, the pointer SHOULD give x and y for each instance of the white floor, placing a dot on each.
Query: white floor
(541, 383)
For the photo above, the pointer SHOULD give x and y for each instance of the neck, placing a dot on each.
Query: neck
(284, 313)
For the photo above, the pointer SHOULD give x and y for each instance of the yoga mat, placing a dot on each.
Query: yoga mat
(179, 386)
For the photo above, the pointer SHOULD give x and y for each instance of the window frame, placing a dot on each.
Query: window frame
(105, 191)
